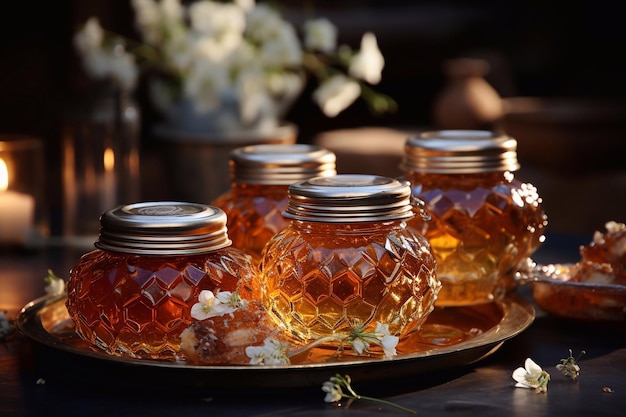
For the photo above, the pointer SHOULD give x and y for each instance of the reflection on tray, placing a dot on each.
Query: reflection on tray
(451, 337)
(444, 327)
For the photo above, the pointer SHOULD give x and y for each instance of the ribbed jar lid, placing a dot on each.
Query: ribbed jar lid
(460, 152)
(163, 228)
(280, 164)
(349, 198)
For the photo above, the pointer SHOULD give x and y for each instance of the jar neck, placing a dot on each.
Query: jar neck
(423, 180)
(275, 191)
(478, 176)
(304, 226)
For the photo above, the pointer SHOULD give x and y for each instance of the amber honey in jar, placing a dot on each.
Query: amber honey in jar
(347, 259)
(260, 177)
(485, 222)
(132, 295)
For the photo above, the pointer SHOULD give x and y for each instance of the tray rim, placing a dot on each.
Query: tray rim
(512, 306)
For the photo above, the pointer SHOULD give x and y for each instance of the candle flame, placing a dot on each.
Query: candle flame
(109, 159)
(4, 175)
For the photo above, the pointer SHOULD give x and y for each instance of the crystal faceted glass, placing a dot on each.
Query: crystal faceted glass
(348, 259)
(132, 296)
(260, 177)
(485, 222)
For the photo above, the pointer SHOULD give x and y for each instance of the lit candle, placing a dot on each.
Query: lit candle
(17, 211)
(108, 185)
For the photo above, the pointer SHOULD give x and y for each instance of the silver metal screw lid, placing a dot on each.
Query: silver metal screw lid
(163, 228)
(349, 198)
(280, 164)
(460, 152)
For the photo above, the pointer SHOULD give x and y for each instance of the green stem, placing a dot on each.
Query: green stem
(378, 400)
(316, 342)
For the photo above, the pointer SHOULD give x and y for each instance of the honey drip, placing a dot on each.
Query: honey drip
(483, 227)
(323, 279)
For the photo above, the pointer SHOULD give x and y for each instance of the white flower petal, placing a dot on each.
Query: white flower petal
(369, 62)
(532, 368)
(382, 328)
(389, 344)
(332, 390)
(320, 34)
(55, 287)
(359, 345)
(199, 312)
(519, 375)
(336, 94)
(206, 297)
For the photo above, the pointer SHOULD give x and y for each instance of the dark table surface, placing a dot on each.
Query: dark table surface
(40, 380)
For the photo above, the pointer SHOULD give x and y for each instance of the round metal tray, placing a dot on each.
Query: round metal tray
(451, 337)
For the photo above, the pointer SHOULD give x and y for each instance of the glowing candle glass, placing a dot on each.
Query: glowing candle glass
(100, 164)
(23, 219)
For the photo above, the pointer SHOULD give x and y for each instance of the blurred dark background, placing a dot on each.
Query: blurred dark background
(535, 48)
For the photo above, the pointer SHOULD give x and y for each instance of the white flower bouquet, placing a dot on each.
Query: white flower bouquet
(236, 54)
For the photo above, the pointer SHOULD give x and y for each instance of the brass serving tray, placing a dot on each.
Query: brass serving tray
(450, 338)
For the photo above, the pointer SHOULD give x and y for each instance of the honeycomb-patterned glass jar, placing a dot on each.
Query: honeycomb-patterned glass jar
(260, 177)
(347, 259)
(132, 296)
(485, 222)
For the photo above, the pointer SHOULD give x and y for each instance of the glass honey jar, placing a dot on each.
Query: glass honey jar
(260, 177)
(348, 259)
(132, 295)
(485, 222)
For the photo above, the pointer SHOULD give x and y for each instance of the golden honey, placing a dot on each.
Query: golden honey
(348, 259)
(260, 178)
(133, 295)
(484, 222)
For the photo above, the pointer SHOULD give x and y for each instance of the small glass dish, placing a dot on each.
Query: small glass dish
(555, 293)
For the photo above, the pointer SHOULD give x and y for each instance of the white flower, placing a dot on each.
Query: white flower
(283, 49)
(359, 345)
(320, 34)
(333, 392)
(208, 50)
(368, 63)
(90, 37)
(171, 10)
(387, 341)
(246, 5)
(263, 23)
(105, 61)
(55, 287)
(531, 376)
(336, 94)
(334, 389)
(148, 20)
(212, 305)
(569, 366)
(361, 340)
(215, 19)
(122, 68)
(204, 84)
(271, 353)
(54, 284)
